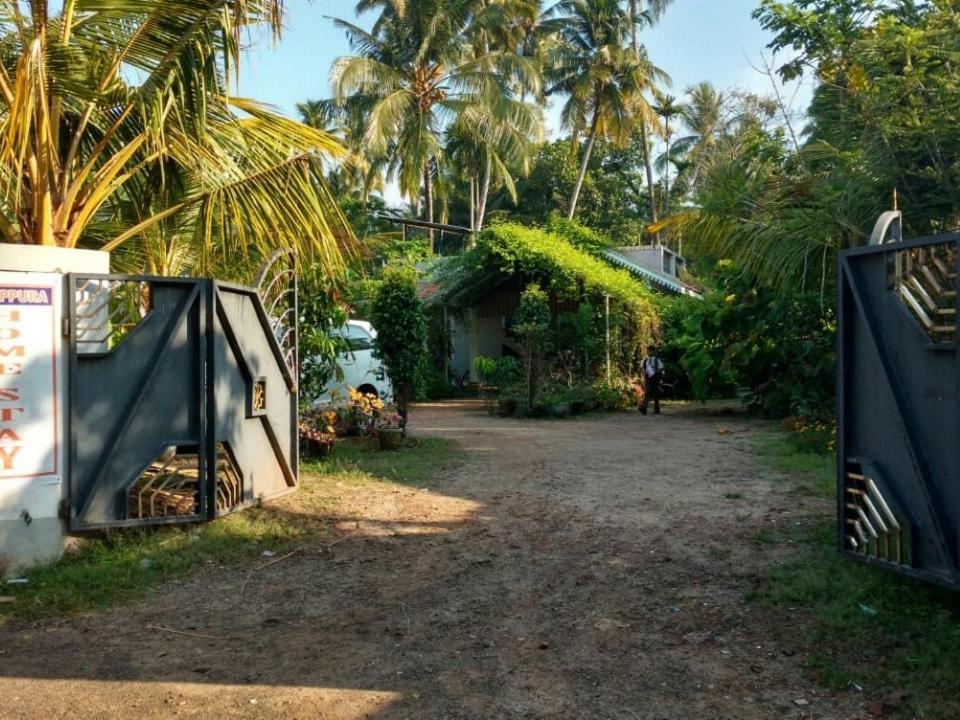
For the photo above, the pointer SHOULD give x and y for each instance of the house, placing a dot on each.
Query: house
(480, 291)
(657, 265)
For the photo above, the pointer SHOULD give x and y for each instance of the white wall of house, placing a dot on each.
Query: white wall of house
(34, 414)
(472, 337)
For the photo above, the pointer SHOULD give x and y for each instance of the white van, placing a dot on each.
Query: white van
(360, 369)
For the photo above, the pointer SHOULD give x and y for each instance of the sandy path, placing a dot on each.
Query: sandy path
(593, 568)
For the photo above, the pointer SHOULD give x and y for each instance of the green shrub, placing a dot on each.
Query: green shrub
(397, 313)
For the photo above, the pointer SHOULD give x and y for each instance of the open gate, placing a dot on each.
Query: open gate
(183, 398)
(898, 444)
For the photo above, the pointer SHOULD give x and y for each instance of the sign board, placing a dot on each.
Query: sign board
(29, 409)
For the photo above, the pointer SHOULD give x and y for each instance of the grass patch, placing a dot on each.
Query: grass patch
(720, 553)
(860, 624)
(122, 566)
(734, 496)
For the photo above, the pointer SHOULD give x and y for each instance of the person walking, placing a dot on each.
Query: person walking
(652, 381)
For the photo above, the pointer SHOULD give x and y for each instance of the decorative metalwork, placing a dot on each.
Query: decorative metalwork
(107, 310)
(258, 401)
(229, 481)
(871, 528)
(276, 286)
(925, 279)
(169, 487)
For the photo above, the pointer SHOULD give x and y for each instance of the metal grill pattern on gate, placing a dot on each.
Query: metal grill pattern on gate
(899, 407)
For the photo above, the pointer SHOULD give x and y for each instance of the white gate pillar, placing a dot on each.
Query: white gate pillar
(34, 410)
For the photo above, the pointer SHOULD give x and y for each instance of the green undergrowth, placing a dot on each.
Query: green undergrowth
(860, 626)
(122, 566)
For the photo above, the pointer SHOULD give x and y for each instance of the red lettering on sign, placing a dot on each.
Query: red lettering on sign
(11, 369)
(7, 315)
(9, 394)
(7, 454)
(6, 414)
(8, 434)
(15, 350)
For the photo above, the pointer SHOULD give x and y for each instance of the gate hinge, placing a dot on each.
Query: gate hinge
(65, 326)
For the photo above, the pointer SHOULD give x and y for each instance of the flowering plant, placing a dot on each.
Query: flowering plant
(317, 432)
(360, 415)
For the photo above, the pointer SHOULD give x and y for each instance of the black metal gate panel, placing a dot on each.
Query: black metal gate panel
(183, 406)
(899, 408)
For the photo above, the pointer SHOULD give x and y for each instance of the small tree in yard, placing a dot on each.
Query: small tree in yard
(532, 323)
(397, 314)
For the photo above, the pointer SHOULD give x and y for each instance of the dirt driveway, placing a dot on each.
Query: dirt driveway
(595, 569)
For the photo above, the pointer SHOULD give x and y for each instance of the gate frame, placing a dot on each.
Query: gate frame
(207, 290)
(845, 285)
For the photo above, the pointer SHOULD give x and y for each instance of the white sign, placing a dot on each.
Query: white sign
(29, 442)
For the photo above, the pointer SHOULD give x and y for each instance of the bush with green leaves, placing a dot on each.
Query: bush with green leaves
(397, 314)
(320, 316)
(776, 344)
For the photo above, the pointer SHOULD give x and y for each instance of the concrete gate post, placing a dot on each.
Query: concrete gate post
(34, 411)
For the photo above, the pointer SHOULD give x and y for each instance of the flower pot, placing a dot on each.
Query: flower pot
(578, 407)
(506, 408)
(389, 438)
(317, 449)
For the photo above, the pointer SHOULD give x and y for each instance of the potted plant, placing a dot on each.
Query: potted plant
(360, 416)
(390, 431)
(317, 433)
(486, 368)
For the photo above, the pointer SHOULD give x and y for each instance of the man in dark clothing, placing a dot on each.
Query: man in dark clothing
(652, 381)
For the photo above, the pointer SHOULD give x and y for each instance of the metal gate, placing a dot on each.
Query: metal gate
(183, 399)
(899, 446)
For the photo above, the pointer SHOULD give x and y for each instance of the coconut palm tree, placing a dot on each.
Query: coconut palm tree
(117, 132)
(419, 72)
(603, 80)
(667, 108)
(645, 12)
(357, 174)
(706, 120)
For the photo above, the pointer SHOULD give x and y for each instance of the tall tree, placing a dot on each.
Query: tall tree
(667, 108)
(645, 12)
(419, 72)
(603, 81)
(705, 119)
(117, 129)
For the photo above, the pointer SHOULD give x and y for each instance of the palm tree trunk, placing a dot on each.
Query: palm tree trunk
(644, 132)
(473, 203)
(591, 138)
(648, 162)
(484, 194)
(428, 189)
(666, 175)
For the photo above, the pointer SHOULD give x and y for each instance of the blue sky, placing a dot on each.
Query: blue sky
(696, 40)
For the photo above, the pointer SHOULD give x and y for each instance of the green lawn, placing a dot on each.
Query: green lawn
(863, 626)
(125, 565)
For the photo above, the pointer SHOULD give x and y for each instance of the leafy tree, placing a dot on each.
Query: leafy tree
(776, 343)
(611, 200)
(532, 323)
(397, 314)
(118, 132)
